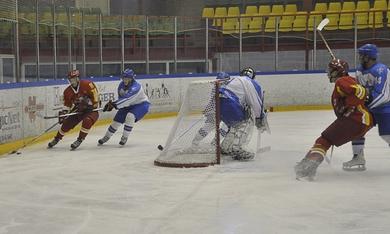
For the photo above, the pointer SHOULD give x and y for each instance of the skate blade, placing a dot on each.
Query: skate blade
(305, 179)
(355, 168)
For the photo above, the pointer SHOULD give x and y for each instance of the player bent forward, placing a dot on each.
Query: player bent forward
(240, 99)
(353, 118)
(132, 105)
(80, 96)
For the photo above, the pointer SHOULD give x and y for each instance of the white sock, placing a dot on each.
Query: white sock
(112, 128)
(358, 146)
(129, 123)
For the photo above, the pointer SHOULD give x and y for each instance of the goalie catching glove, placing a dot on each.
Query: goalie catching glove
(109, 106)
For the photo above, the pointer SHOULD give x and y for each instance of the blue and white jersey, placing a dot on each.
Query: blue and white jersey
(129, 96)
(246, 92)
(376, 79)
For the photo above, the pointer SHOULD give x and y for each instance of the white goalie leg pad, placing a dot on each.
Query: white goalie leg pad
(235, 140)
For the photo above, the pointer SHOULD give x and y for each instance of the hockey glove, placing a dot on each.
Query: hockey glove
(109, 106)
(83, 105)
(61, 119)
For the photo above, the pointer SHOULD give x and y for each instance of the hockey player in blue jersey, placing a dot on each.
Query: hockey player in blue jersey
(132, 105)
(240, 104)
(374, 76)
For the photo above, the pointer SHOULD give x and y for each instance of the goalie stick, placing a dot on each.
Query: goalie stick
(69, 114)
(320, 26)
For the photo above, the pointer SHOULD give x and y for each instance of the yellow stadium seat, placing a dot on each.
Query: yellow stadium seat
(251, 11)
(375, 20)
(208, 12)
(270, 24)
(256, 25)
(334, 7)
(380, 5)
(245, 23)
(321, 7)
(219, 12)
(290, 9)
(277, 9)
(314, 20)
(229, 27)
(285, 24)
(233, 11)
(264, 10)
(299, 23)
(333, 21)
(346, 19)
(348, 6)
(362, 18)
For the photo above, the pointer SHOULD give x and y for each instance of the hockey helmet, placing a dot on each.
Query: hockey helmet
(249, 72)
(127, 76)
(337, 68)
(74, 77)
(369, 50)
(222, 75)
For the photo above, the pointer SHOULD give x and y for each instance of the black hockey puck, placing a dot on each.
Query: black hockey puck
(18, 153)
(160, 147)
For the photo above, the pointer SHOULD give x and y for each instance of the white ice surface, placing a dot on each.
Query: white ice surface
(112, 189)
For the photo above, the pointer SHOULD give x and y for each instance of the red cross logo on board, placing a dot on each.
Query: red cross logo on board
(32, 107)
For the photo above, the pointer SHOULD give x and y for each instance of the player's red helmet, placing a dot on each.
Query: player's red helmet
(73, 73)
(337, 68)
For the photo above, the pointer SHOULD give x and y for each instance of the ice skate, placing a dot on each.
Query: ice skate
(242, 155)
(123, 140)
(103, 140)
(306, 168)
(357, 163)
(76, 144)
(53, 143)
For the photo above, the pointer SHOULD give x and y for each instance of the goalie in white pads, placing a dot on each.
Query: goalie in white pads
(240, 104)
(132, 105)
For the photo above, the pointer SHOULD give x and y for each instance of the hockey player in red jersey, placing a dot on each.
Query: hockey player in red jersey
(80, 96)
(353, 118)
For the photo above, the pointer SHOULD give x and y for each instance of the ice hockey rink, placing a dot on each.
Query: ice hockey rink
(112, 189)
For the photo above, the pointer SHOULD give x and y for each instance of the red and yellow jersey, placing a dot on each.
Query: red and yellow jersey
(85, 88)
(348, 100)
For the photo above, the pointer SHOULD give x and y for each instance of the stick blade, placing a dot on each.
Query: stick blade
(322, 24)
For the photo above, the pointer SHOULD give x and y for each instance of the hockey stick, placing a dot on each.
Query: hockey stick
(320, 26)
(69, 114)
(260, 150)
(34, 139)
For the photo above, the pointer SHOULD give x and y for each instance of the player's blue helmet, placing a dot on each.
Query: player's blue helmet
(222, 75)
(128, 73)
(369, 50)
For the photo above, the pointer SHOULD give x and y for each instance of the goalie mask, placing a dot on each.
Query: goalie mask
(337, 68)
(74, 78)
(249, 72)
(128, 76)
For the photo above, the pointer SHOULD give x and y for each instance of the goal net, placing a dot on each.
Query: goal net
(194, 138)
